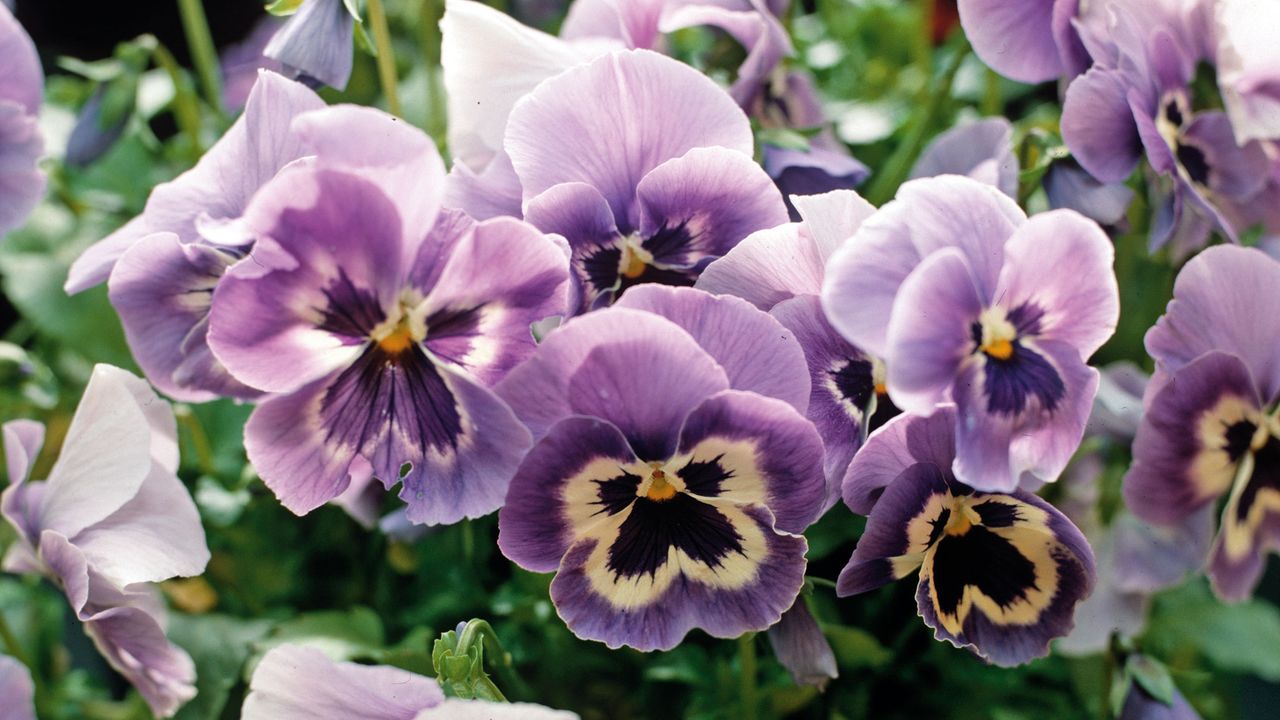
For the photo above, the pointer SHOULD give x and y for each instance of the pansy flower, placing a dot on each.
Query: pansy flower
(377, 322)
(999, 573)
(21, 90)
(982, 150)
(316, 43)
(17, 692)
(969, 301)
(663, 511)
(296, 682)
(1026, 40)
(1211, 429)
(1248, 64)
(780, 270)
(112, 518)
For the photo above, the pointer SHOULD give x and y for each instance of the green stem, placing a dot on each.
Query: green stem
(821, 582)
(14, 648)
(499, 658)
(199, 440)
(747, 676)
(203, 54)
(386, 55)
(186, 104)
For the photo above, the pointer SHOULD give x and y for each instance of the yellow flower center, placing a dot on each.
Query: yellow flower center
(962, 518)
(634, 259)
(998, 334)
(659, 488)
(397, 341)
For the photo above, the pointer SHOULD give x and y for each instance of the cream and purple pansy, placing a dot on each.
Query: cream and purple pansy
(664, 496)
(377, 323)
(999, 573)
(1212, 425)
(969, 301)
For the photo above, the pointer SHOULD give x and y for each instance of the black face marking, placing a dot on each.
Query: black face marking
(683, 522)
(939, 525)
(671, 245)
(383, 390)
(1266, 476)
(1026, 319)
(1011, 383)
(1239, 435)
(1173, 113)
(1192, 159)
(705, 478)
(984, 560)
(601, 267)
(350, 311)
(855, 382)
(615, 494)
(997, 514)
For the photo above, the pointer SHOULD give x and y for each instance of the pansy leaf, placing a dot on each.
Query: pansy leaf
(284, 7)
(219, 645)
(1152, 676)
(355, 633)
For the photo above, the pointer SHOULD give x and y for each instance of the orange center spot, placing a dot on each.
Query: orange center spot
(659, 488)
(962, 519)
(999, 349)
(397, 342)
(881, 389)
(634, 266)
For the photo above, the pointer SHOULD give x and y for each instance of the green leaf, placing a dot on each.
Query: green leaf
(353, 7)
(355, 633)
(784, 138)
(281, 8)
(219, 645)
(856, 648)
(1153, 676)
(1240, 637)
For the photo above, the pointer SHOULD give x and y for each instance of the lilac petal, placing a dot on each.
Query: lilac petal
(813, 171)
(490, 61)
(1015, 39)
(1238, 171)
(841, 384)
(1098, 125)
(317, 42)
(162, 291)
(1248, 66)
(1208, 313)
(767, 267)
(1159, 154)
(17, 692)
(479, 319)
(452, 709)
(799, 645)
(580, 214)
(747, 592)
(21, 182)
(864, 275)
(94, 265)
(768, 453)
(23, 79)
(1117, 411)
(1075, 57)
(1141, 705)
(240, 62)
(929, 333)
(493, 192)
(1061, 263)
(432, 257)
(1109, 610)
(1173, 474)
(604, 364)
(983, 150)
(1069, 186)
(283, 319)
(832, 218)
(294, 682)
(554, 495)
(634, 22)
(757, 353)
(611, 122)
(689, 192)
(1149, 559)
(902, 442)
(22, 442)
(754, 27)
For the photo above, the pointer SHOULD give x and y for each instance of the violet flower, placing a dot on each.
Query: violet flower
(982, 150)
(17, 692)
(1000, 573)
(781, 270)
(1026, 40)
(644, 165)
(1211, 426)
(21, 145)
(295, 682)
(1248, 64)
(377, 322)
(316, 43)
(112, 518)
(970, 302)
(664, 512)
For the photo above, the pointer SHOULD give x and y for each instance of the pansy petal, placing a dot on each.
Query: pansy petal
(453, 709)
(754, 27)
(22, 442)
(902, 442)
(1014, 39)
(17, 692)
(604, 364)
(1149, 558)
(21, 182)
(723, 569)
(612, 121)
(294, 682)
(1248, 65)
(316, 42)
(1235, 170)
(634, 22)
(1068, 186)
(492, 192)
(767, 267)
(94, 265)
(983, 150)
(23, 79)
(757, 353)
(133, 642)
(1098, 125)
(1247, 533)
(800, 646)
(832, 218)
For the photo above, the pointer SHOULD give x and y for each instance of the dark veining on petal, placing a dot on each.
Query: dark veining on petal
(705, 478)
(615, 494)
(695, 527)
(984, 560)
(1012, 383)
(451, 332)
(855, 382)
(600, 266)
(1026, 318)
(671, 244)
(351, 311)
(1266, 476)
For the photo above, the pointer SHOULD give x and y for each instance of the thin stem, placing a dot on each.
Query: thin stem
(747, 676)
(199, 440)
(186, 105)
(498, 656)
(203, 54)
(386, 56)
(12, 646)
(821, 582)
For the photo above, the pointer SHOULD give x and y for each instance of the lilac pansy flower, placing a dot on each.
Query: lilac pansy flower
(295, 682)
(644, 165)
(377, 322)
(21, 145)
(1000, 573)
(112, 518)
(1070, 187)
(17, 692)
(1248, 64)
(664, 512)
(1211, 428)
(241, 62)
(316, 43)
(969, 301)
(800, 646)
(1026, 40)
(781, 270)
(982, 150)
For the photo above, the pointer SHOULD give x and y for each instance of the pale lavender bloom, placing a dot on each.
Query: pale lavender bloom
(1210, 428)
(377, 322)
(1069, 187)
(17, 692)
(644, 165)
(982, 150)
(969, 301)
(242, 61)
(21, 145)
(665, 512)
(1001, 574)
(1026, 40)
(295, 682)
(316, 43)
(112, 518)
(1248, 64)
(781, 270)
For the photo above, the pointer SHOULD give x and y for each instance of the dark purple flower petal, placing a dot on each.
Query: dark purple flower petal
(317, 42)
(902, 442)
(799, 645)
